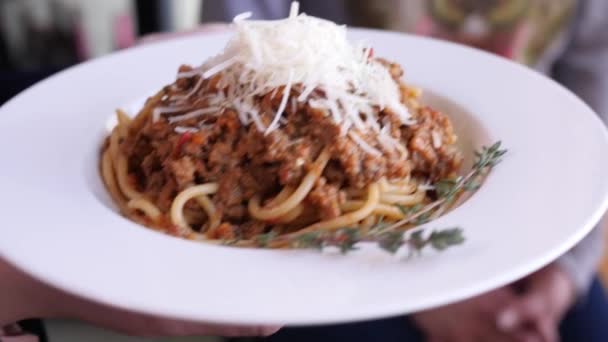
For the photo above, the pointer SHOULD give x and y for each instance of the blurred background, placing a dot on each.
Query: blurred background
(40, 37)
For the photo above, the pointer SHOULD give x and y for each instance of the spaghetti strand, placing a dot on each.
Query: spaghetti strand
(122, 174)
(145, 206)
(107, 171)
(177, 207)
(267, 214)
(210, 210)
(373, 198)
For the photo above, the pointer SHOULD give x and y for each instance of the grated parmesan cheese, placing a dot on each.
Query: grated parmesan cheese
(182, 130)
(194, 114)
(364, 145)
(436, 138)
(301, 53)
(158, 111)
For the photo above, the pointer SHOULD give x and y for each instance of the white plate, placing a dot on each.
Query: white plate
(59, 225)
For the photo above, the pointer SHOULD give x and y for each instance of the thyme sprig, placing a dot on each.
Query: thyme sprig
(449, 190)
(345, 240)
(395, 236)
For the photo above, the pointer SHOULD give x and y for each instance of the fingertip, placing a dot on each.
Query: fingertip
(507, 320)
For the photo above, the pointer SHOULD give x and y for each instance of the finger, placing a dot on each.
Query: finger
(529, 308)
(547, 329)
(488, 332)
(503, 298)
(527, 336)
(544, 330)
(487, 307)
(508, 320)
(500, 337)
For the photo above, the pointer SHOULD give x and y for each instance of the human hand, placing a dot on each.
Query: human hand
(467, 321)
(23, 297)
(536, 312)
(528, 311)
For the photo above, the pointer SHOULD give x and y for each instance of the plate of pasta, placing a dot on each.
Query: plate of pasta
(295, 172)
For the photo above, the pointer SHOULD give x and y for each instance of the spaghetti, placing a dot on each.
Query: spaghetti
(293, 134)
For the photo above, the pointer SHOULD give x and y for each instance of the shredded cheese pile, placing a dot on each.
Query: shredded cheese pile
(306, 53)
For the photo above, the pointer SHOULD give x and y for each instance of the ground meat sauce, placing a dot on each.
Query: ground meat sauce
(244, 161)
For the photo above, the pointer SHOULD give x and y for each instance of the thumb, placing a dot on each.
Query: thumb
(529, 308)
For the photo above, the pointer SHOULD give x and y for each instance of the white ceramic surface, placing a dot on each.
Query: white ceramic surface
(59, 225)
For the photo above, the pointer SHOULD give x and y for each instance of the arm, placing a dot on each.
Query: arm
(19, 298)
(584, 70)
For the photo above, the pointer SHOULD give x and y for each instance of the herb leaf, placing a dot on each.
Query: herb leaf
(391, 241)
(441, 240)
(263, 240)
